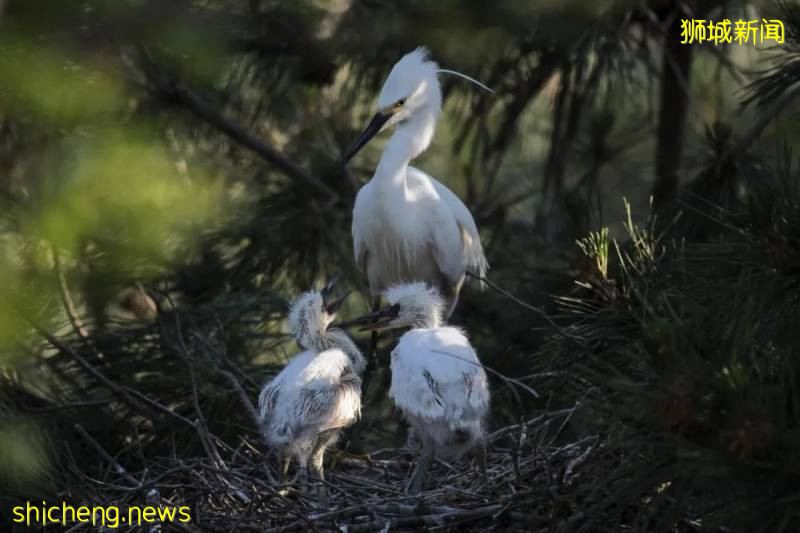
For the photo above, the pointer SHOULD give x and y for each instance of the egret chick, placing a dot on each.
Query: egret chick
(437, 380)
(306, 406)
(406, 225)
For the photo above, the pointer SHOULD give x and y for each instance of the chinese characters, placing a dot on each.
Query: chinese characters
(740, 32)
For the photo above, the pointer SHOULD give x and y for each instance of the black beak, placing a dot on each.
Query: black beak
(334, 306)
(327, 291)
(331, 306)
(380, 319)
(369, 132)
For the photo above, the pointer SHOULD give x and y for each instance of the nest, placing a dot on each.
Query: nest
(234, 489)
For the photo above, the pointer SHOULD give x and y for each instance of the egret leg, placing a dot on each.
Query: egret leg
(423, 465)
(373, 344)
(372, 360)
(318, 476)
(412, 440)
(373, 349)
(479, 453)
(316, 466)
(450, 291)
(284, 460)
(303, 468)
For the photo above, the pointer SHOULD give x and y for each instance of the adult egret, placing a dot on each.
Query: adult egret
(305, 407)
(406, 225)
(437, 380)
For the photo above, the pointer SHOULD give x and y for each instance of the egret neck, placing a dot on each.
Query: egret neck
(411, 138)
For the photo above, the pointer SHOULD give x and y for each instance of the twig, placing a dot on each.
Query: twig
(117, 467)
(246, 402)
(505, 378)
(528, 423)
(69, 304)
(760, 124)
(175, 93)
(530, 307)
(429, 520)
(114, 387)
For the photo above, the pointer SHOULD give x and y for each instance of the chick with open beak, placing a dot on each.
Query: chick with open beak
(313, 312)
(330, 303)
(318, 394)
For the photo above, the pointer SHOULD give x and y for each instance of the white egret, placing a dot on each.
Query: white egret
(406, 225)
(305, 407)
(437, 380)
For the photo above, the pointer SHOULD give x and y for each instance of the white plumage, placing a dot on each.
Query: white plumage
(406, 225)
(437, 380)
(439, 384)
(318, 393)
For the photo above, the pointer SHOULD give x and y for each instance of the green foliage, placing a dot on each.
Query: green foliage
(692, 368)
(126, 190)
(596, 246)
(22, 446)
(41, 82)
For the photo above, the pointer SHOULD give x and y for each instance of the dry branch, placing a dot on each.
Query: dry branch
(366, 492)
(181, 95)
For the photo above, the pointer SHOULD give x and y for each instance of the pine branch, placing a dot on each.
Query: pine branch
(99, 376)
(173, 92)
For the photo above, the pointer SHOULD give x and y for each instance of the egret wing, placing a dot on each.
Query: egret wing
(330, 406)
(436, 374)
(329, 392)
(268, 398)
(471, 248)
(440, 226)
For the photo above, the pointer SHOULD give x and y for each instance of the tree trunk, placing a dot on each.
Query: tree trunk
(677, 62)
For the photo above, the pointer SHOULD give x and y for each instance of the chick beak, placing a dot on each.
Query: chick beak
(327, 291)
(373, 128)
(332, 307)
(381, 319)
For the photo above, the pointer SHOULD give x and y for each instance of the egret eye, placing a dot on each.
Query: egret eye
(399, 103)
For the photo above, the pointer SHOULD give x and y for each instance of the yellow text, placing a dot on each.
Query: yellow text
(739, 32)
(109, 516)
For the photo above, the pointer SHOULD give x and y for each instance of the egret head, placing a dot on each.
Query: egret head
(411, 305)
(412, 86)
(411, 90)
(312, 312)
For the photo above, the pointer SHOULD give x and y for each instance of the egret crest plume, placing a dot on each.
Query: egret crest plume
(464, 76)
